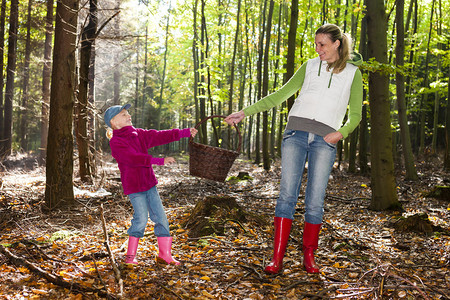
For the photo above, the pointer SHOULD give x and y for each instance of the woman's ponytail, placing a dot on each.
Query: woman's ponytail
(344, 50)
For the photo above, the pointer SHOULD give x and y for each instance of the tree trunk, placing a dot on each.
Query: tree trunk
(59, 166)
(117, 75)
(10, 74)
(2, 79)
(354, 136)
(447, 128)
(273, 139)
(88, 34)
(136, 86)
(413, 11)
(46, 77)
(363, 131)
(163, 79)
(232, 66)
(92, 117)
(259, 68)
(26, 79)
(292, 44)
(202, 100)
(248, 131)
(145, 88)
(437, 97)
(408, 157)
(384, 194)
(423, 103)
(195, 62)
(265, 89)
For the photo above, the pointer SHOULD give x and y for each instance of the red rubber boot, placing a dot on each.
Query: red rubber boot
(132, 249)
(282, 231)
(310, 244)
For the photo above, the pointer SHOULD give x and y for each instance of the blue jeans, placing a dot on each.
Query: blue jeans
(147, 204)
(299, 147)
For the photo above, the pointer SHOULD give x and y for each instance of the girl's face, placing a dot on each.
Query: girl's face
(327, 50)
(121, 120)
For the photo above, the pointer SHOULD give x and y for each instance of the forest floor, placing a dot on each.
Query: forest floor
(363, 254)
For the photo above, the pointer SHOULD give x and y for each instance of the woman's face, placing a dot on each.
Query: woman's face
(121, 120)
(327, 50)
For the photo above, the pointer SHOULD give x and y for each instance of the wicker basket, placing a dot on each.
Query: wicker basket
(211, 162)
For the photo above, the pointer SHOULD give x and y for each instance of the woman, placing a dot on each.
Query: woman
(328, 84)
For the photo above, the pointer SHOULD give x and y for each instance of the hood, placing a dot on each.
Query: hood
(355, 59)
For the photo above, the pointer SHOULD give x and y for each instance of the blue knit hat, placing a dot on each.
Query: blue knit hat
(114, 111)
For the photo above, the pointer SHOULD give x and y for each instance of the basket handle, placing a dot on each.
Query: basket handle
(223, 117)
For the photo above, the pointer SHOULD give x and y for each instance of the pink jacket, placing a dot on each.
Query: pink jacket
(129, 146)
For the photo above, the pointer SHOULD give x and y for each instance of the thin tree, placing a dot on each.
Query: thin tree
(88, 34)
(26, 79)
(195, 60)
(59, 165)
(291, 46)
(46, 77)
(273, 144)
(408, 157)
(145, 88)
(384, 191)
(363, 130)
(423, 101)
(232, 66)
(447, 127)
(437, 96)
(265, 88)
(2, 80)
(202, 68)
(136, 90)
(259, 75)
(117, 74)
(10, 75)
(163, 79)
(353, 138)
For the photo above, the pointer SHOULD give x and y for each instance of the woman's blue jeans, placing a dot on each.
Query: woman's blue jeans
(299, 147)
(147, 204)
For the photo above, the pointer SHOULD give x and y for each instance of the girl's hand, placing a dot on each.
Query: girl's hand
(193, 131)
(235, 118)
(333, 137)
(169, 160)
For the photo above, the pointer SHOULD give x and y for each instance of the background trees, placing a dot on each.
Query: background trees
(213, 57)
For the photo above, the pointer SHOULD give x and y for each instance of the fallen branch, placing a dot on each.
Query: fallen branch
(57, 280)
(27, 242)
(411, 284)
(117, 274)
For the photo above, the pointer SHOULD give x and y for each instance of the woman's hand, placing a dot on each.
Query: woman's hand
(235, 118)
(333, 137)
(193, 131)
(169, 160)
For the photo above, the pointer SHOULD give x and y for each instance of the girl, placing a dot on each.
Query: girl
(129, 146)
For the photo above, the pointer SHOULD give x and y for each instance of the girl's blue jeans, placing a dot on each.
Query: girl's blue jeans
(147, 204)
(299, 147)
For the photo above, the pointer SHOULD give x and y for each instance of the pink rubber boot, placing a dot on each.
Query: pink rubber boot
(132, 249)
(165, 250)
